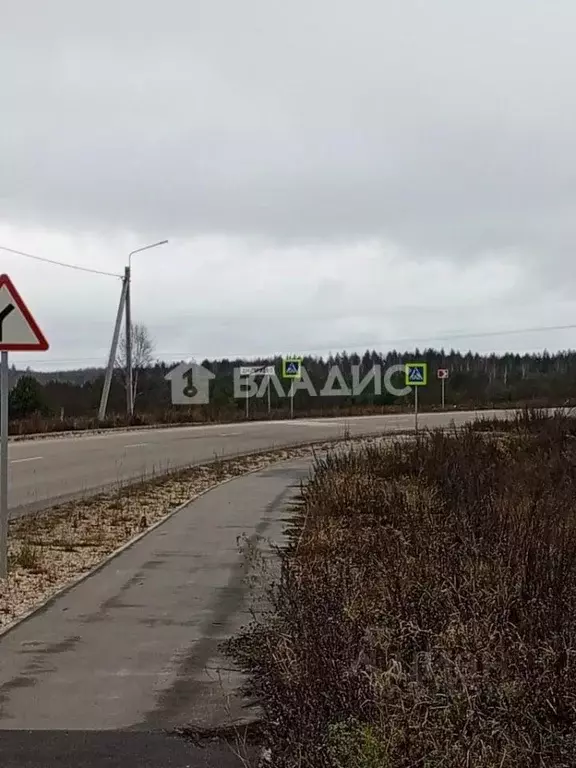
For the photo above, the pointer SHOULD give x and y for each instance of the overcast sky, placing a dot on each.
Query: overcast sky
(330, 174)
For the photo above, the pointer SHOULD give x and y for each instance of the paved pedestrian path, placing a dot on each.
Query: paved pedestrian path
(135, 646)
(112, 749)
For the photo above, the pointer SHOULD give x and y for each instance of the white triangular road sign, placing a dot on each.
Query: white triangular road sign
(18, 329)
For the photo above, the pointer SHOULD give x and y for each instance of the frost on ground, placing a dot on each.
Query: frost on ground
(48, 550)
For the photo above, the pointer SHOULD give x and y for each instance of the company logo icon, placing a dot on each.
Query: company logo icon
(190, 384)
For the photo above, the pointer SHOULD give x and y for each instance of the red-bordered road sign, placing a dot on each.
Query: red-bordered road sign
(442, 373)
(19, 332)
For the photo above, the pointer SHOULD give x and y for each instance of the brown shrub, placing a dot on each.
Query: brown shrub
(425, 612)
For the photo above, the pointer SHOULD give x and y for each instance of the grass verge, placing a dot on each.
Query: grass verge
(424, 612)
(50, 549)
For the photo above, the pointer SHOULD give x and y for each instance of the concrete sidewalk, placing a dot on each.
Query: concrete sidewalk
(135, 645)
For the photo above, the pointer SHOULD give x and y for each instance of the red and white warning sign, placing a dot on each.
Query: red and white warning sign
(19, 331)
(442, 373)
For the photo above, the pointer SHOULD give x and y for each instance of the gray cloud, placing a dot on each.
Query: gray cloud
(448, 126)
(444, 130)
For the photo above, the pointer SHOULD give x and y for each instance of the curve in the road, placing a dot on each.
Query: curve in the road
(42, 472)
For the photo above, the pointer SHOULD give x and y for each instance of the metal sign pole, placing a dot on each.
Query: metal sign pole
(443, 393)
(19, 332)
(247, 402)
(416, 408)
(269, 401)
(292, 369)
(4, 465)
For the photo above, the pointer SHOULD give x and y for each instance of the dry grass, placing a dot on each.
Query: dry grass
(50, 549)
(425, 609)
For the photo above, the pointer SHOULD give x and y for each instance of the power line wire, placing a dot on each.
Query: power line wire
(388, 343)
(482, 334)
(59, 263)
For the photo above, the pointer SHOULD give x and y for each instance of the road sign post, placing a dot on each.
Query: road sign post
(257, 370)
(3, 465)
(292, 369)
(443, 374)
(416, 376)
(18, 333)
(247, 403)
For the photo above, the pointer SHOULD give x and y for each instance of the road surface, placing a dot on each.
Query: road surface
(44, 471)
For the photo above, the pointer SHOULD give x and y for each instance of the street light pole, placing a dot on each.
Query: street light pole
(112, 356)
(127, 273)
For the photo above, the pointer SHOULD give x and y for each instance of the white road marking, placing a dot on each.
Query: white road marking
(302, 423)
(228, 434)
(135, 445)
(32, 458)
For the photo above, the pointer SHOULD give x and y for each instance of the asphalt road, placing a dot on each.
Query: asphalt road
(53, 469)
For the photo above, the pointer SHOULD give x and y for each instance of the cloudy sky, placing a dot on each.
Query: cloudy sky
(330, 174)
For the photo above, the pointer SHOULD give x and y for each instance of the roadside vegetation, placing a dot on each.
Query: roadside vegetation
(424, 609)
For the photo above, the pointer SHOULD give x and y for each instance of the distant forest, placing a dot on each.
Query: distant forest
(475, 381)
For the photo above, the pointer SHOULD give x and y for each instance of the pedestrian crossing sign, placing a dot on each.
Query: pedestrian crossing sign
(292, 368)
(416, 374)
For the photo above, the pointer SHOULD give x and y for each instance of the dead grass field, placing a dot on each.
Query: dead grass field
(425, 608)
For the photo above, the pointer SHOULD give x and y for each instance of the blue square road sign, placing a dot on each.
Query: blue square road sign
(291, 368)
(416, 374)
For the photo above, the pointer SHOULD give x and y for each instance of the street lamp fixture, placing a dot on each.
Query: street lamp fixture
(145, 248)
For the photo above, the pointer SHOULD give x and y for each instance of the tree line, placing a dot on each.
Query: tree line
(475, 381)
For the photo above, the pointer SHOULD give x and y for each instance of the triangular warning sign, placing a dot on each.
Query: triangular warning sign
(19, 331)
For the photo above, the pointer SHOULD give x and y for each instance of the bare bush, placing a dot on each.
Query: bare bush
(142, 354)
(425, 612)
